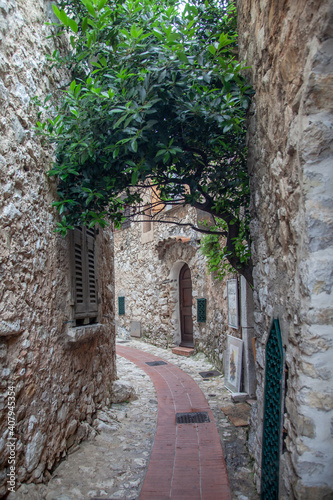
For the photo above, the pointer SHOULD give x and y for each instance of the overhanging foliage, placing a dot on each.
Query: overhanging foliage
(157, 99)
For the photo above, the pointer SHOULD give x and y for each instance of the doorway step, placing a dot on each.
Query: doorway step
(183, 351)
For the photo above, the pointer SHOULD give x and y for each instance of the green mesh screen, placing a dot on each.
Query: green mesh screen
(201, 310)
(121, 305)
(272, 415)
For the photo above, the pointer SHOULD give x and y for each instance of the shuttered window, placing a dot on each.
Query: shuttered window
(84, 273)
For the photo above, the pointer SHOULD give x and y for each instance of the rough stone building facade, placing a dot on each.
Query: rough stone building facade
(56, 350)
(147, 268)
(149, 259)
(289, 47)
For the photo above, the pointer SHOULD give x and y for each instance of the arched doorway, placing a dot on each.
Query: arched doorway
(185, 306)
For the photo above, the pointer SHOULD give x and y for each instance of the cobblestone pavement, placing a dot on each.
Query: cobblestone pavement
(112, 462)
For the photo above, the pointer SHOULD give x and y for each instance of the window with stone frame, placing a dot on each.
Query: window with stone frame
(147, 234)
(84, 275)
(147, 223)
(127, 213)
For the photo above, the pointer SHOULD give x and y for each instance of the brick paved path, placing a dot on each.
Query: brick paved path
(187, 461)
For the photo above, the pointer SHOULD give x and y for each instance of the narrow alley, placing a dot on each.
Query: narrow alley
(136, 450)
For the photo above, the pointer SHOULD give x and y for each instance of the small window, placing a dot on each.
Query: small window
(121, 306)
(127, 213)
(84, 277)
(146, 225)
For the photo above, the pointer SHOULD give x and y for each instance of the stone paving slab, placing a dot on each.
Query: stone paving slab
(112, 463)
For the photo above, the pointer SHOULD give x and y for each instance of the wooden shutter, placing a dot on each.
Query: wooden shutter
(79, 271)
(85, 275)
(91, 272)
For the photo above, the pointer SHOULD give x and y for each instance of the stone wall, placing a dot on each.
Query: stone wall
(60, 374)
(147, 267)
(289, 47)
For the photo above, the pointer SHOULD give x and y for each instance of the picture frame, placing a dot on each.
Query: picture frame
(233, 309)
(233, 363)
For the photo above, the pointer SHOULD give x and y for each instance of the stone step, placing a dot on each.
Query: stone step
(183, 351)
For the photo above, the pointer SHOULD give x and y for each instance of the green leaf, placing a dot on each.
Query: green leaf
(166, 157)
(134, 178)
(73, 25)
(172, 37)
(78, 89)
(84, 24)
(103, 61)
(159, 35)
(89, 7)
(61, 15)
(224, 40)
(160, 153)
(128, 121)
(134, 146)
(182, 57)
(227, 128)
(72, 86)
(142, 93)
(118, 122)
(135, 32)
(101, 4)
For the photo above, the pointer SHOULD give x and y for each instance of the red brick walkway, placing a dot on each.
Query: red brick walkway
(187, 461)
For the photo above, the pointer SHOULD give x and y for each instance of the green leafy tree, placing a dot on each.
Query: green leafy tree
(157, 99)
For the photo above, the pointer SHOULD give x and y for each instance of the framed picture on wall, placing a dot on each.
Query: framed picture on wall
(233, 312)
(233, 363)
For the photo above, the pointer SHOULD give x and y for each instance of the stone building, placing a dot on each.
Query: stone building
(166, 294)
(56, 311)
(289, 48)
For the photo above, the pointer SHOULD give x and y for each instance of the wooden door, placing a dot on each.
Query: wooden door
(185, 303)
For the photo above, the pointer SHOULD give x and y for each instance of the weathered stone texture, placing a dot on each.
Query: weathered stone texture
(59, 383)
(289, 47)
(147, 274)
